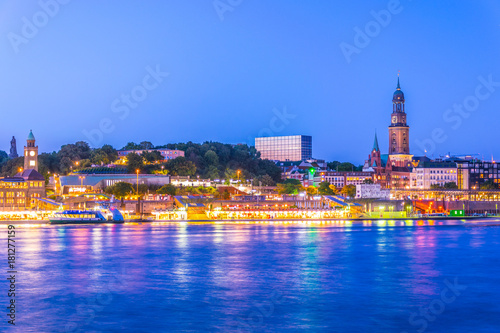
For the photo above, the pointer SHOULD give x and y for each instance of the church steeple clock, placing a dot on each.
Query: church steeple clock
(31, 153)
(399, 131)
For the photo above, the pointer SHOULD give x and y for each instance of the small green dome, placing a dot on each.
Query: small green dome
(31, 136)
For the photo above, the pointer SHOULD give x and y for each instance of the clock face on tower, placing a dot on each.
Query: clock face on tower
(32, 153)
(394, 119)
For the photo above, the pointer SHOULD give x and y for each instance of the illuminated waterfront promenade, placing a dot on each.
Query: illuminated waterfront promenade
(448, 195)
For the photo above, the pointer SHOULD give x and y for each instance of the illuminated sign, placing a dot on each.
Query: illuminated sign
(77, 189)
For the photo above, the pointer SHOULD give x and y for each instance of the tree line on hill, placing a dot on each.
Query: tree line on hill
(294, 186)
(343, 166)
(212, 160)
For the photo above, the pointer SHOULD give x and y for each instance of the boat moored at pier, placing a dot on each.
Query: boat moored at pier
(86, 217)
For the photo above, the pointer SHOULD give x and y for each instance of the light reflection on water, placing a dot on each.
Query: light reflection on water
(312, 276)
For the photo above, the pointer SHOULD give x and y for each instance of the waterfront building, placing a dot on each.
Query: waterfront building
(76, 184)
(473, 174)
(285, 148)
(23, 190)
(168, 154)
(19, 192)
(343, 178)
(427, 175)
(372, 191)
(262, 207)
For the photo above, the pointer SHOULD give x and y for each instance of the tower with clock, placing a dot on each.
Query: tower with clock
(399, 131)
(31, 153)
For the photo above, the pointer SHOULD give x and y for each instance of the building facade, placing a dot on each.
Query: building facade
(376, 164)
(292, 172)
(427, 175)
(186, 181)
(21, 191)
(300, 169)
(76, 184)
(475, 175)
(285, 148)
(343, 178)
(372, 191)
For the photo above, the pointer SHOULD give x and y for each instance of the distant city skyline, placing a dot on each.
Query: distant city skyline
(175, 72)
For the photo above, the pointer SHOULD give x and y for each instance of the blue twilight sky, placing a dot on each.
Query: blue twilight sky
(239, 69)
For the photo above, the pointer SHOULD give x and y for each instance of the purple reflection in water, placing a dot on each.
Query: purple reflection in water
(256, 277)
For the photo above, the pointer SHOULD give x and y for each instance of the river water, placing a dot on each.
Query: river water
(274, 277)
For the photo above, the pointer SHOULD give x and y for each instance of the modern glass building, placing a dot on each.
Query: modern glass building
(285, 148)
(475, 174)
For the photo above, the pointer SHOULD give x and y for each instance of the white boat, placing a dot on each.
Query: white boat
(85, 217)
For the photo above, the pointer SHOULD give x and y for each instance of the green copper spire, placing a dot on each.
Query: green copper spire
(375, 143)
(398, 87)
(31, 136)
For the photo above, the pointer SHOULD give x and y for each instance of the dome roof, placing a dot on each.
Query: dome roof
(31, 136)
(398, 94)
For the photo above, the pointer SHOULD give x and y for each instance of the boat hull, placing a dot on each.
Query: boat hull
(79, 221)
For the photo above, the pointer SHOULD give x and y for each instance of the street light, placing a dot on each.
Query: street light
(20, 169)
(238, 172)
(137, 172)
(81, 180)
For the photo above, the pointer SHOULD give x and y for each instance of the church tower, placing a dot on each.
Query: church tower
(399, 131)
(31, 153)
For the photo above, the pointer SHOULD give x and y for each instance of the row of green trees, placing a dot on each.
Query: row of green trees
(294, 186)
(489, 185)
(343, 166)
(122, 190)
